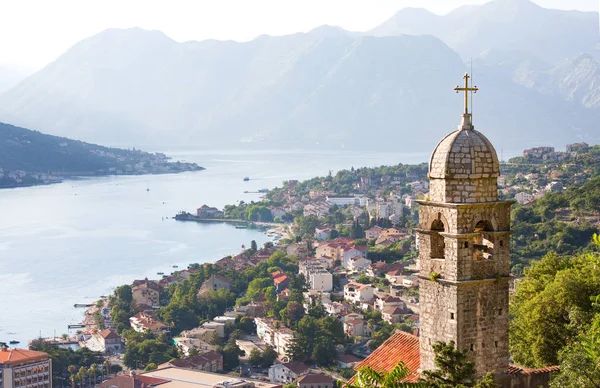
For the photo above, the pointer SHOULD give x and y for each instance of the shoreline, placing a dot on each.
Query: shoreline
(76, 177)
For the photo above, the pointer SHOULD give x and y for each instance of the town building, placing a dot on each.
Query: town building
(175, 377)
(524, 197)
(214, 283)
(358, 293)
(146, 293)
(110, 341)
(342, 200)
(288, 372)
(210, 361)
(275, 334)
(316, 380)
(143, 322)
(187, 344)
(206, 211)
(23, 368)
(373, 233)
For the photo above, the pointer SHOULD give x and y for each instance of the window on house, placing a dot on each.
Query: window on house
(451, 315)
(496, 343)
(436, 241)
(499, 311)
(471, 347)
(466, 244)
(501, 243)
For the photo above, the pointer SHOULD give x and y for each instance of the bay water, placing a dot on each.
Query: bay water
(75, 241)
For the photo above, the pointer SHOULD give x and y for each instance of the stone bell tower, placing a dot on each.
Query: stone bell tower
(463, 235)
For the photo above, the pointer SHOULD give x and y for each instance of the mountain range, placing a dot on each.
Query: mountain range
(388, 88)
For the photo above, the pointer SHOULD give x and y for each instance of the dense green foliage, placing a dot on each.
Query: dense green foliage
(316, 338)
(32, 151)
(553, 306)
(62, 358)
(580, 360)
(145, 348)
(454, 370)
(249, 211)
(557, 222)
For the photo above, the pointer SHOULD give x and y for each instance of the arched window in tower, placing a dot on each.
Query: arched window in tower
(436, 239)
(483, 247)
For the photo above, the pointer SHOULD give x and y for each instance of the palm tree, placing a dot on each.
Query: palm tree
(92, 373)
(106, 367)
(72, 370)
(369, 377)
(81, 374)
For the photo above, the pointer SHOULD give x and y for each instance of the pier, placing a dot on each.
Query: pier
(77, 305)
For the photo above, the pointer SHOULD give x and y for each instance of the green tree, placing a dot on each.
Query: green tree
(72, 369)
(454, 370)
(255, 357)
(253, 246)
(269, 355)
(367, 377)
(231, 355)
(552, 307)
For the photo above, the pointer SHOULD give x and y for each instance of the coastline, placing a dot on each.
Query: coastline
(76, 177)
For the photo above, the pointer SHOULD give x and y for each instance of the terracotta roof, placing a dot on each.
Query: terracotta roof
(400, 346)
(148, 380)
(108, 334)
(519, 370)
(19, 356)
(357, 286)
(348, 358)
(315, 379)
(281, 279)
(297, 367)
(393, 310)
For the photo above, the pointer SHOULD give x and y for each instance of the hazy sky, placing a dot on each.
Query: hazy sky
(35, 32)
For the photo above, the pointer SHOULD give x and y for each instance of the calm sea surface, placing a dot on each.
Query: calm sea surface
(72, 242)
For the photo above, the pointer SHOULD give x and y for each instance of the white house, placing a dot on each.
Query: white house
(524, 197)
(358, 264)
(348, 254)
(320, 280)
(358, 293)
(342, 200)
(322, 234)
(373, 232)
(287, 373)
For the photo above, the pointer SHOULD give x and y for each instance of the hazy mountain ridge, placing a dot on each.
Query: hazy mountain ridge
(508, 25)
(37, 153)
(328, 87)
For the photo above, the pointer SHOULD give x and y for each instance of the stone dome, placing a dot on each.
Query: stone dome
(464, 153)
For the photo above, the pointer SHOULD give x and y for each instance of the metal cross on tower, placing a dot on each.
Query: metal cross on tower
(466, 89)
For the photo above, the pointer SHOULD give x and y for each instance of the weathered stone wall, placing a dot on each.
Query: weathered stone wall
(464, 190)
(483, 323)
(437, 301)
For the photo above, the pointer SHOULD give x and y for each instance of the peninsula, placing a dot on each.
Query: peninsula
(29, 158)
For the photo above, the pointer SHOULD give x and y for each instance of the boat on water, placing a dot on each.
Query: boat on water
(175, 266)
(241, 227)
(160, 273)
(246, 179)
(263, 190)
(14, 342)
(147, 189)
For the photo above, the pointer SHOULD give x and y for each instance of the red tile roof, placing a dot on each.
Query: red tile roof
(281, 279)
(400, 346)
(519, 370)
(297, 367)
(348, 358)
(20, 356)
(108, 334)
(317, 378)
